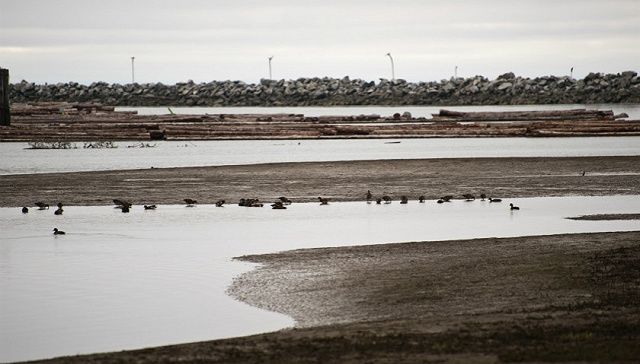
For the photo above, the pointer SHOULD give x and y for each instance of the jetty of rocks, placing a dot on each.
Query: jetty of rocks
(507, 89)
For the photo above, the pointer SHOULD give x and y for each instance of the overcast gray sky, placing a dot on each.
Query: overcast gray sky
(91, 40)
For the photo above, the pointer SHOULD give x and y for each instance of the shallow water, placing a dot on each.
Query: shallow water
(633, 110)
(121, 281)
(18, 160)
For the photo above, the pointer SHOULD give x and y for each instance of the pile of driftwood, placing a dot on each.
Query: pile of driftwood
(545, 115)
(94, 122)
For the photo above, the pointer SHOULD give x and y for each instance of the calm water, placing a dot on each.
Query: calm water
(18, 160)
(122, 281)
(633, 110)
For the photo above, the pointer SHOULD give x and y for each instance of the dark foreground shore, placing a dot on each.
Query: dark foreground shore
(561, 298)
(339, 181)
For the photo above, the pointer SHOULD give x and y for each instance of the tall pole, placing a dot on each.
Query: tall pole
(393, 71)
(5, 112)
(133, 79)
(270, 58)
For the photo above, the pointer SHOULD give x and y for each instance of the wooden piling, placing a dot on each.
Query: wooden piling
(5, 112)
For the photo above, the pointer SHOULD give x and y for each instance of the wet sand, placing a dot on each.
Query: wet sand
(558, 298)
(339, 181)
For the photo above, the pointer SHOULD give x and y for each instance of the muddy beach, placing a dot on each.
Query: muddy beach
(338, 181)
(558, 298)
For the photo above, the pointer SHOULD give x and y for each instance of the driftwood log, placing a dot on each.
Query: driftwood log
(95, 122)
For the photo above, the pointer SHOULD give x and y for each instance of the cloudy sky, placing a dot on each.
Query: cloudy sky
(173, 41)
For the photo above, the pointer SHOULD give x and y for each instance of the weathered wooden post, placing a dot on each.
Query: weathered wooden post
(5, 112)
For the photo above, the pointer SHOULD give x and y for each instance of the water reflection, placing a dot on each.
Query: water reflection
(146, 278)
(19, 160)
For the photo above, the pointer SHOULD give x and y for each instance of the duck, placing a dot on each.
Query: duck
(190, 202)
(149, 207)
(378, 201)
(120, 203)
(422, 199)
(482, 197)
(42, 205)
(278, 205)
(369, 195)
(446, 198)
(220, 203)
(59, 211)
(495, 199)
(514, 207)
(469, 197)
(386, 199)
(25, 210)
(440, 200)
(284, 200)
(58, 232)
(404, 200)
(323, 200)
(125, 209)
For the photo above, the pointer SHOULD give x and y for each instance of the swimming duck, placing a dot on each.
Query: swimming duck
(59, 211)
(482, 196)
(386, 199)
(220, 203)
(42, 205)
(323, 200)
(58, 232)
(378, 201)
(469, 197)
(421, 199)
(25, 210)
(514, 207)
(446, 198)
(149, 207)
(190, 202)
(495, 199)
(125, 209)
(369, 195)
(441, 201)
(404, 200)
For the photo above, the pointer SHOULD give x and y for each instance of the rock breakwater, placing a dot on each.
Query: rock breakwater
(506, 89)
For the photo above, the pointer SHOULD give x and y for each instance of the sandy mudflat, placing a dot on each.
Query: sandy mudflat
(497, 177)
(559, 298)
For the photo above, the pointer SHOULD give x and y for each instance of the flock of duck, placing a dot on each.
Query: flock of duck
(280, 204)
